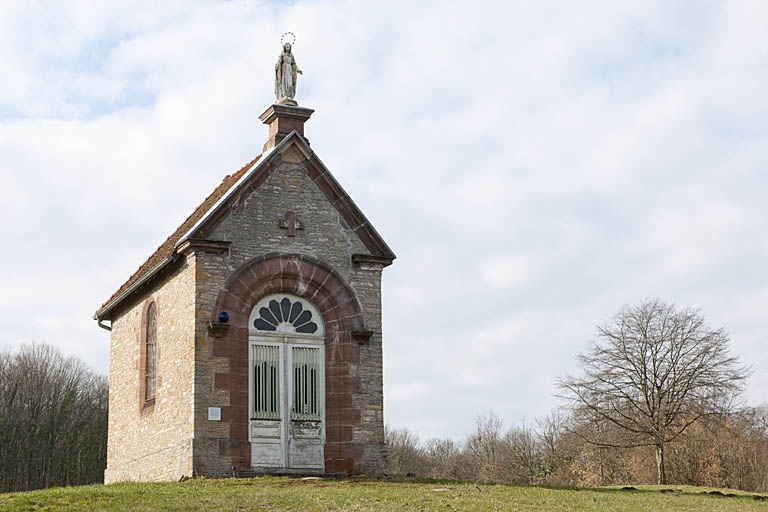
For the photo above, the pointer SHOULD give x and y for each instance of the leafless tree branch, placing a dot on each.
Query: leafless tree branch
(653, 370)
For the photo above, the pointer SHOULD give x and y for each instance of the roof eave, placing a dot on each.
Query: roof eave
(108, 307)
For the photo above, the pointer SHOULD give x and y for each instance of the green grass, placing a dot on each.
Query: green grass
(277, 493)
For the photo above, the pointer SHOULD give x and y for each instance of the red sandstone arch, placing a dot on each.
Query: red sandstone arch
(311, 279)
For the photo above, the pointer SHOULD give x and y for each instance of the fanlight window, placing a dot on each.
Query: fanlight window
(286, 315)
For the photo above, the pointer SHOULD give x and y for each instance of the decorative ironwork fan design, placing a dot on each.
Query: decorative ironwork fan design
(285, 312)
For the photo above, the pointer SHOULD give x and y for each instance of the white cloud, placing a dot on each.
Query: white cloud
(508, 271)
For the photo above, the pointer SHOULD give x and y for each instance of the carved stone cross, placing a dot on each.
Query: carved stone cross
(291, 223)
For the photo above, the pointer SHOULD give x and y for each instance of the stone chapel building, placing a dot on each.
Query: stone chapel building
(250, 341)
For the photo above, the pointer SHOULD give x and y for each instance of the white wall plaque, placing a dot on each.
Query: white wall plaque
(214, 413)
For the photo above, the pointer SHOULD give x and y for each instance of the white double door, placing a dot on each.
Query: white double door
(287, 404)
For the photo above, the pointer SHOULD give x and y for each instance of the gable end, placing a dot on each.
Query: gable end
(231, 192)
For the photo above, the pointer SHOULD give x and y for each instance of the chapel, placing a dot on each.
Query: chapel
(250, 341)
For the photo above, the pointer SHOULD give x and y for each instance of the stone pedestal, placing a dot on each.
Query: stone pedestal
(282, 120)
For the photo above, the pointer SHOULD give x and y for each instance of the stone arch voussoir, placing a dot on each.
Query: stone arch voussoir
(303, 276)
(313, 280)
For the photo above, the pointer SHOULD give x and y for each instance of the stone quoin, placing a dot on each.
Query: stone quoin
(251, 340)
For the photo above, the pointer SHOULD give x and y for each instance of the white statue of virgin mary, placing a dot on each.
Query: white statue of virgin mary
(285, 76)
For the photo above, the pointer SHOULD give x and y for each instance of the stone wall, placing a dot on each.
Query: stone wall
(354, 401)
(198, 367)
(150, 442)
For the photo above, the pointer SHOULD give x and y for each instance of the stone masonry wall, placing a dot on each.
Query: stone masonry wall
(252, 227)
(153, 443)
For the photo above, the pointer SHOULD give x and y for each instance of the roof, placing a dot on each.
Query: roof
(255, 170)
(168, 247)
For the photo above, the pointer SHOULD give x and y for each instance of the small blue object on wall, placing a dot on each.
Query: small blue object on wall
(223, 317)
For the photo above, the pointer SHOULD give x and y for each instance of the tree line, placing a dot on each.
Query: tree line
(656, 400)
(724, 451)
(53, 420)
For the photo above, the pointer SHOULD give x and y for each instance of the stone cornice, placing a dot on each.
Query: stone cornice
(360, 260)
(209, 246)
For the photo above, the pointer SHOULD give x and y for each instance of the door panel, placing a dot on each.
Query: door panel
(305, 448)
(305, 436)
(266, 443)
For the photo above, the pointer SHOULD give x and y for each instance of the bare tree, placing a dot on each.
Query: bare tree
(724, 451)
(522, 460)
(53, 420)
(551, 432)
(653, 370)
(441, 457)
(485, 445)
(403, 452)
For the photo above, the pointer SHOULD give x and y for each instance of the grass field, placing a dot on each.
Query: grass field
(276, 493)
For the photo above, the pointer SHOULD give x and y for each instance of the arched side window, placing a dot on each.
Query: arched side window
(150, 354)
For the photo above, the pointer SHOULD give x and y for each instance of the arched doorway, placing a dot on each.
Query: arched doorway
(286, 385)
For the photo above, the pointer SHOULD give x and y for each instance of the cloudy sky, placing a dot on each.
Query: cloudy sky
(534, 165)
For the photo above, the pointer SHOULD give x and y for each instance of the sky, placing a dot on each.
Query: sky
(535, 166)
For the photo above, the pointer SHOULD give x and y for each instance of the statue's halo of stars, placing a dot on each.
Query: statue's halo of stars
(291, 35)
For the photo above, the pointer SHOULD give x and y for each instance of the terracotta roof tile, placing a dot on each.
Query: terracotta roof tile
(166, 248)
